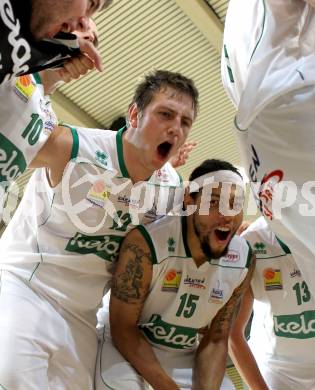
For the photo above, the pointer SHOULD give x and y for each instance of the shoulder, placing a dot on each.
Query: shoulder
(258, 230)
(97, 145)
(89, 133)
(164, 238)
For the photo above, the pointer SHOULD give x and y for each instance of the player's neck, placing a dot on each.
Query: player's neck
(194, 243)
(137, 171)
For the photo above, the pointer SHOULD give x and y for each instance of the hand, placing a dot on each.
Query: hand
(72, 69)
(87, 47)
(182, 155)
(75, 67)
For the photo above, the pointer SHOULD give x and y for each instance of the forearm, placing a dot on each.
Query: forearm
(246, 364)
(210, 363)
(135, 348)
(51, 80)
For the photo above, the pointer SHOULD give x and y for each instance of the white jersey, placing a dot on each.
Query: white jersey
(27, 120)
(184, 298)
(268, 50)
(283, 333)
(64, 239)
(268, 70)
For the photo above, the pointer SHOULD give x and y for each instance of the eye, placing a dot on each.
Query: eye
(165, 114)
(186, 124)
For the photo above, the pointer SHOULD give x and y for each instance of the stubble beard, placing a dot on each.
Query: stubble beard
(205, 246)
(42, 17)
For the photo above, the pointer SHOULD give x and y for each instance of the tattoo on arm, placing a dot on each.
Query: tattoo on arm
(222, 323)
(128, 284)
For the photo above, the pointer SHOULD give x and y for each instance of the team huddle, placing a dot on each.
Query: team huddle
(117, 274)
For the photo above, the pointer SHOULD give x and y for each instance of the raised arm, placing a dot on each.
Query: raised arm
(211, 355)
(55, 154)
(239, 349)
(130, 288)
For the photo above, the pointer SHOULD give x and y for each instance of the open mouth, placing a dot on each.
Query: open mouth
(222, 233)
(164, 149)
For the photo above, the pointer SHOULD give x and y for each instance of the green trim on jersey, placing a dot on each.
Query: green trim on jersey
(37, 78)
(120, 153)
(75, 145)
(283, 246)
(237, 127)
(262, 31)
(249, 256)
(37, 265)
(227, 60)
(184, 234)
(148, 240)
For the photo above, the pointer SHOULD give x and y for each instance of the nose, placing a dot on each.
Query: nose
(176, 128)
(80, 24)
(83, 24)
(88, 35)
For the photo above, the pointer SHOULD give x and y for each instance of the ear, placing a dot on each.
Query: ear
(133, 115)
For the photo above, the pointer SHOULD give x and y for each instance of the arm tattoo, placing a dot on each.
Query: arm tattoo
(224, 319)
(128, 284)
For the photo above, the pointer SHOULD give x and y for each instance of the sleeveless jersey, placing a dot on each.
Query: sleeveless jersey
(283, 329)
(64, 239)
(184, 298)
(27, 120)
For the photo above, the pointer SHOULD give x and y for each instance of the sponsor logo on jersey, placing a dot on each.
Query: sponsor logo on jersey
(50, 117)
(171, 280)
(171, 244)
(195, 282)
(162, 175)
(295, 326)
(295, 272)
(259, 248)
(101, 157)
(24, 87)
(132, 203)
(169, 335)
(272, 279)
(98, 193)
(105, 247)
(231, 257)
(12, 161)
(216, 295)
(266, 191)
